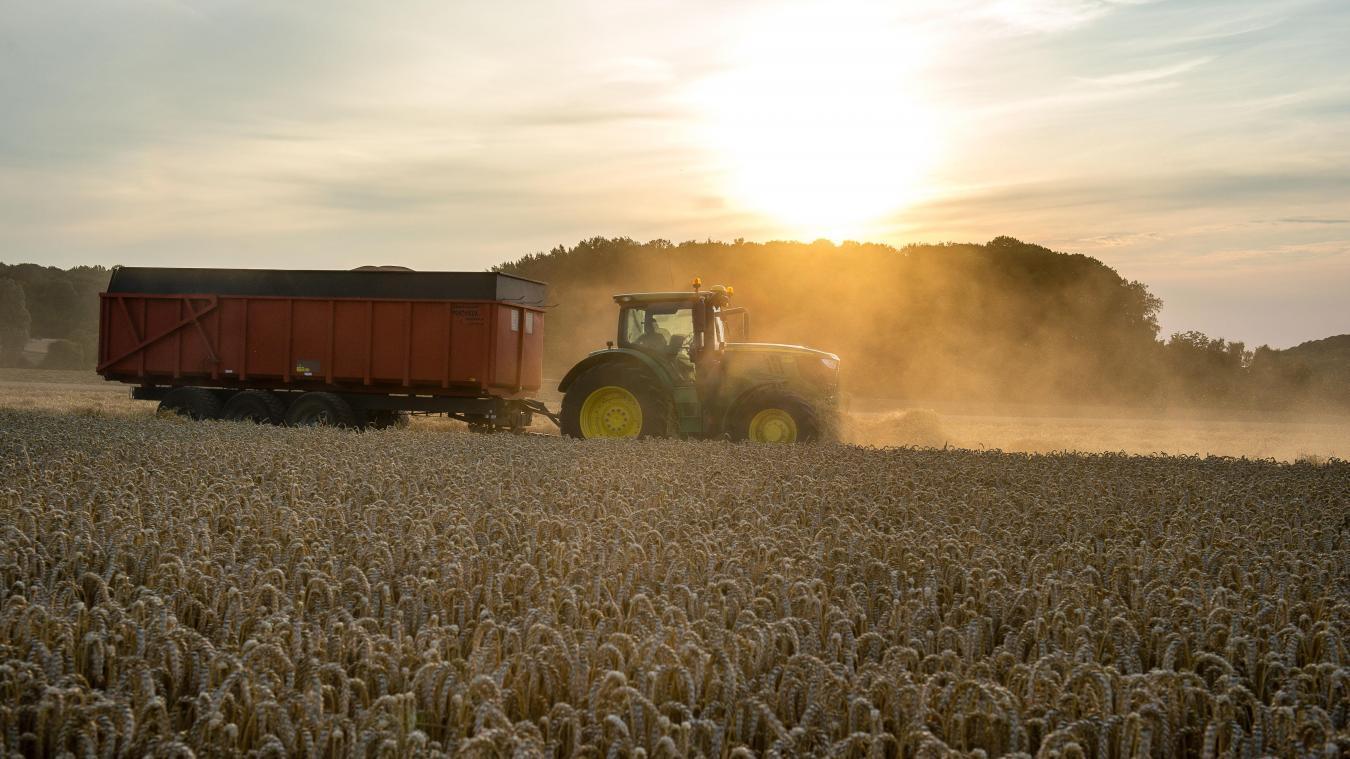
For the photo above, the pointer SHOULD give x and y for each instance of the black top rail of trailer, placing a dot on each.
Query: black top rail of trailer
(295, 283)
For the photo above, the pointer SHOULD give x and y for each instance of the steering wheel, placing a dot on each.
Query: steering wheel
(677, 344)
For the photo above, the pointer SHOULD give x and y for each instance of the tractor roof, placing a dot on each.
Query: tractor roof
(661, 297)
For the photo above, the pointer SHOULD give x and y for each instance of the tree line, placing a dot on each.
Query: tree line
(1001, 321)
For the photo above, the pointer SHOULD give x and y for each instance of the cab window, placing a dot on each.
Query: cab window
(658, 327)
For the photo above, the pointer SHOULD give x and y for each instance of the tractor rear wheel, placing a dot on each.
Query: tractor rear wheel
(257, 406)
(616, 401)
(774, 415)
(320, 409)
(192, 402)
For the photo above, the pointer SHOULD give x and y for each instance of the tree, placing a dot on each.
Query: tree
(15, 322)
(55, 306)
(1205, 369)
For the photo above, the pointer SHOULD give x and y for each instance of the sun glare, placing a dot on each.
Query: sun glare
(820, 125)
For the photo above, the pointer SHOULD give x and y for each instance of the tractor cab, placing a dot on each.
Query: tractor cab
(674, 371)
(680, 328)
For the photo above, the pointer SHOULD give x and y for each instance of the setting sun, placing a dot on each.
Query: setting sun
(820, 124)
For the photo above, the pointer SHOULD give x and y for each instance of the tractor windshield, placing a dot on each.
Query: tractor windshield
(664, 328)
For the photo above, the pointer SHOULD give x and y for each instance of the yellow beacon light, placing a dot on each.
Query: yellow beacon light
(697, 283)
(731, 290)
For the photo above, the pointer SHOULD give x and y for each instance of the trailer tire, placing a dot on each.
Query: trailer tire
(320, 409)
(192, 402)
(655, 403)
(257, 406)
(775, 415)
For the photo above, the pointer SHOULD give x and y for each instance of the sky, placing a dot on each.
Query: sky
(1201, 147)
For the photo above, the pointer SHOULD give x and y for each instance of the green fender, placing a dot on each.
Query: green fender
(687, 406)
(618, 354)
(731, 408)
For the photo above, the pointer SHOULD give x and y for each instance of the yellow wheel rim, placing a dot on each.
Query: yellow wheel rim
(611, 411)
(773, 425)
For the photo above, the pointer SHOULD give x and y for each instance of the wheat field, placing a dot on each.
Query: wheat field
(175, 588)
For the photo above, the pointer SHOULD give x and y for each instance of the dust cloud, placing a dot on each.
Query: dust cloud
(1004, 321)
(1094, 430)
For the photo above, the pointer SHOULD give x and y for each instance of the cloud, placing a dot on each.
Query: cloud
(1063, 102)
(636, 70)
(1243, 260)
(1144, 76)
(1155, 192)
(1119, 239)
(583, 113)
(1230, 33)
(1311, 220)
(1046, 15)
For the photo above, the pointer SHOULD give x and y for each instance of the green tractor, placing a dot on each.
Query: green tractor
(673, 372)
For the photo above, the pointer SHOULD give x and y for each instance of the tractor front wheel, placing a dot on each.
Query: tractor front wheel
(772, 415)
(615, 401)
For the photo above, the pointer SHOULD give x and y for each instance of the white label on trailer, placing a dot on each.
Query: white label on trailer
(529, 322)
(515, 320)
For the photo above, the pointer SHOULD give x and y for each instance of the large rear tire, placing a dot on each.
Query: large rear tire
(775, 415)
(258, 406)
(617, 401)
(321, 410)
(192, 402)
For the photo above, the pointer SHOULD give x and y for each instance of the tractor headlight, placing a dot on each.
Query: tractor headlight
(821, 372)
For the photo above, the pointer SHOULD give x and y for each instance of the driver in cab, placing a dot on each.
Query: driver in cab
(658, 340)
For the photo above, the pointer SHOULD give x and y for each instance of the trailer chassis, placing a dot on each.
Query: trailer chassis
(481, 413)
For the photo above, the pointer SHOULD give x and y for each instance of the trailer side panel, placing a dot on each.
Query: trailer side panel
(422, 345)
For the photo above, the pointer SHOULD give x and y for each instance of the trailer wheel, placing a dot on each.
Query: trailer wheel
(613, 400)
(192, 402)
(321, 410)
(257, 406)
(773, 415)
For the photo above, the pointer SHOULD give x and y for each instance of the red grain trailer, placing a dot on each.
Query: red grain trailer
(354, 348)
